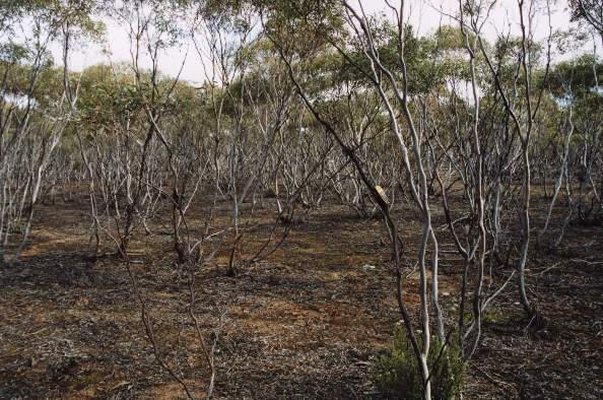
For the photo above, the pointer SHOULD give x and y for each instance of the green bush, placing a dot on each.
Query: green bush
(398, 374)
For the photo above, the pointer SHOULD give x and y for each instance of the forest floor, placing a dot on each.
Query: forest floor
(305, 323)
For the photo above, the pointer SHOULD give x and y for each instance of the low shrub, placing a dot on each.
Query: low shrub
(398, 373)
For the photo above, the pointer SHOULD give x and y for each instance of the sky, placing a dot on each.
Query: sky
(424, 15)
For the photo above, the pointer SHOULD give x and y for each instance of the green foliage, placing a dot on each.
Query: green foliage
(576, 76)
(13, 53)
(398, 374)
(589, 11)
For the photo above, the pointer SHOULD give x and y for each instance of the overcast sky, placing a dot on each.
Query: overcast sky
(425, 16)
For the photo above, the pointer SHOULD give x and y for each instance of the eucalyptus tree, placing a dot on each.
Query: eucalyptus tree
(290, 155)
(400, 69)
(303, 100)
(38, 102)
(254, 118)
(382, 80)
(513, 70)
(142, 153)
(574, 84)
(589, 11)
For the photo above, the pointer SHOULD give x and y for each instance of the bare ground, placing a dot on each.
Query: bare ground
(305, 323)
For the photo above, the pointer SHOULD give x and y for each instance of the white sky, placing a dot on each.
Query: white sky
(424, 15)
